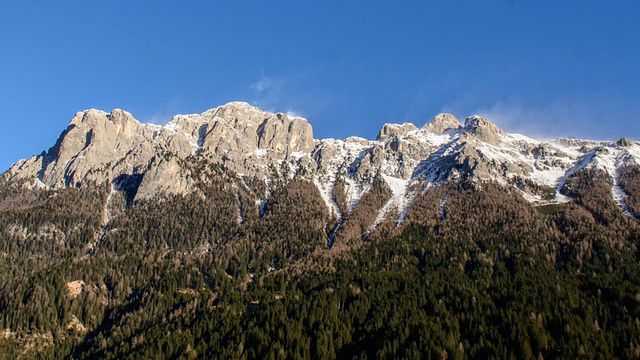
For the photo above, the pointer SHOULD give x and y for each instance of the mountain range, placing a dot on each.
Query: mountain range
(235, 234)
(150, 161)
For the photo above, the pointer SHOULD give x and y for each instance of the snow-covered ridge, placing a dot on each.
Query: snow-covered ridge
(260, 145)
(538, 169)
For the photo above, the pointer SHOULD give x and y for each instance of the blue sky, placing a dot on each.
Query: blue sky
(543, 68)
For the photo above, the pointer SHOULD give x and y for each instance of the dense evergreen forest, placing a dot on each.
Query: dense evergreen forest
(474, 271)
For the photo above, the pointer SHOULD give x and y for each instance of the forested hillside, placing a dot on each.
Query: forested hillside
(473, 271)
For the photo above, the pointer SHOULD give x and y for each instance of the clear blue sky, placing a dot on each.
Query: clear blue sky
(544, 68)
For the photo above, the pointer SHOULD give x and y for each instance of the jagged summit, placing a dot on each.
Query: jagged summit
(624, 142)
(390, 130)
(477, 120)
(438, 125)
(441, 123)
(483, 129)
(261, 147)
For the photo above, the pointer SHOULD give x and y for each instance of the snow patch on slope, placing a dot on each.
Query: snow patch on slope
(517, 150)
(612, 160)
(443, 203)
(619, 197)
(411, 195)
(397, 201)
(332, 236)
(560, 198)
(354, 192)
(326, 191)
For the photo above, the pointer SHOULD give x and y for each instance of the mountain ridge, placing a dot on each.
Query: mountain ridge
(194, 238)
(101, 147)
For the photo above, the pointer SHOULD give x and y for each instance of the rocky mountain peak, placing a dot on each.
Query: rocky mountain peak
(483, 129)
(624, 142)
(119, 116)
(391, 130)
(441, 123)
(237, 129)
(116, 123)
(90, 116)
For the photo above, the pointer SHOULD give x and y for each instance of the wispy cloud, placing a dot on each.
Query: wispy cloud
(267, 92)
(162, 114)
(600, 115)
(158, 119)
(294, 113)
(546, 121)
(558, 118)
(277, 93)
(266, 84)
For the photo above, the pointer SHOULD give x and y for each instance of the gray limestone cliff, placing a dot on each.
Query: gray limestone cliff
(99, 146)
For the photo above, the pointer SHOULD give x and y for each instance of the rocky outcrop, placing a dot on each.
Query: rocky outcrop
(391, 130)
(441, 123)
(624, 142)
(94, 145)
(483, 129)
(240, 128)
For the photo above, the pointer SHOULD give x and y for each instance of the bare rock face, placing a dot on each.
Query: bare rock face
(284, 135)
(483, 129)
(441, 123)
(624, 142)
(99, 146)
(91, 147)
(164, 175)
(182, 135)
(391, 130)
(547, 156)
(231, 128)
(240, 128)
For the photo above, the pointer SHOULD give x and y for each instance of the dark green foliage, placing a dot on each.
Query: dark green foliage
(53, 225)
(475, 271)
(550, 209)
(545, 192)
(279, 240)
